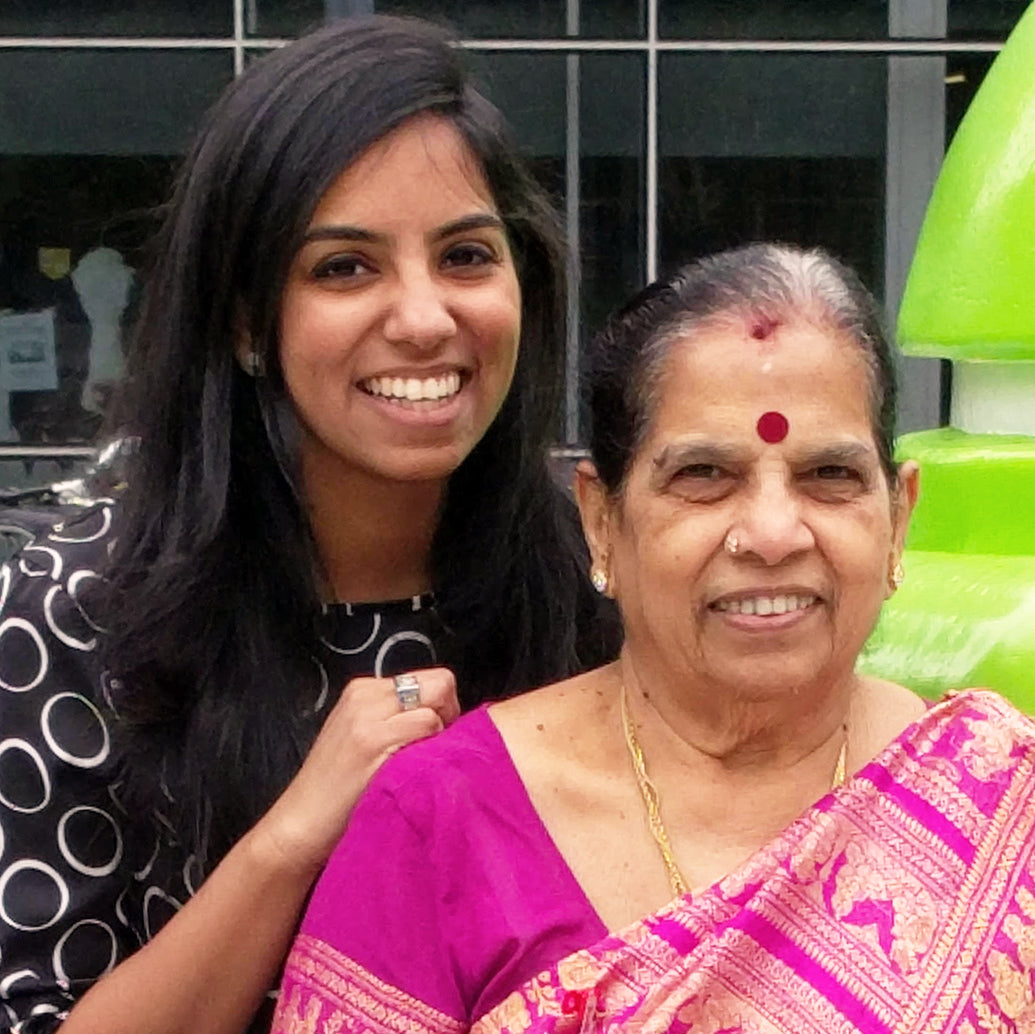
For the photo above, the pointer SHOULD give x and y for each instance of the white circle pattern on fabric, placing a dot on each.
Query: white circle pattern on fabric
(351, 651)
(58, 961)
(55, 535)
(56, 563)
(393, 641)
(73, 591)
(91, 761)
(66, 851)
(152, 894)
(32, 865)
(66, 637)
(32, 752)
(86, 886)
(43, 658)
(12, 978)
(321, 697)
(192, 875)
(142, 874)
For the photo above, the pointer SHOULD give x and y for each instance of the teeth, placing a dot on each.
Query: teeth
(765, 605)
(413, 389)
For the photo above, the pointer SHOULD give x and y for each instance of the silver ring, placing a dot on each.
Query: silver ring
(407, 691)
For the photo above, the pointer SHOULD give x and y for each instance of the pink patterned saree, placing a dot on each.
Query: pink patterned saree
(903, 902)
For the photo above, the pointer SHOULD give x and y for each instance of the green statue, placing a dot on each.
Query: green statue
(965, 615)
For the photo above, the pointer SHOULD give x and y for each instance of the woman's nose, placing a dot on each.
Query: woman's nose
(419, 314)
(771, 525)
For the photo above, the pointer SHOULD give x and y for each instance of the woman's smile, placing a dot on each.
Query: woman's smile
(770, 610)
(414, 400)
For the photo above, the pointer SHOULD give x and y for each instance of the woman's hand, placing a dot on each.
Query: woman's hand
(166, 987)
(366, 725)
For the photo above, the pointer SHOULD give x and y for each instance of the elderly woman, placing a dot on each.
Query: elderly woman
(729, 828)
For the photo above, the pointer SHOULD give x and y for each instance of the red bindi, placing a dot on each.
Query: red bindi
(763, 327)
(772, 427)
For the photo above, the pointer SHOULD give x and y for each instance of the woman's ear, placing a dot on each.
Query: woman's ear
(595, 510)
(907, 490)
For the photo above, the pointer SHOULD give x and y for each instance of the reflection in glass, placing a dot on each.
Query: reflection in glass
(470, 19)
(773, 147)
(532, 90)
(613, 182)
(773, 19)
(83, 166)
(964, 74)
(493, 18)
(72, 232)
(984, 19)
(126, 18)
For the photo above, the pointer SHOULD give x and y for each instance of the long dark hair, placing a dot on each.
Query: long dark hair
(212, 593)
(767, 282)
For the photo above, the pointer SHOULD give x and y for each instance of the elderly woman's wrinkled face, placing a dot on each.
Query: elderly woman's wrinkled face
(753, 542)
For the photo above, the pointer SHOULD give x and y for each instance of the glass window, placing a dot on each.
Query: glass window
(984, 19)
(125, 18)
(608, 158)
(773, 19)
(611, 205)
(964, 74)
(485, 18)
(88, 139)
(773, 147)
(473, 19)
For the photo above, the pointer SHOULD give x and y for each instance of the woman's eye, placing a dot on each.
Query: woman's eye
(701, 472)
(468, 256)
(343, 266)
(834, 472)
(835, 481)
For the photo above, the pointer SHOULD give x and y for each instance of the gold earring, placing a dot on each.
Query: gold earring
(898, 575)
(599, 580)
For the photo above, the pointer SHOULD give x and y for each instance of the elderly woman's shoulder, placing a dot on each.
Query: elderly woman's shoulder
(981, 704)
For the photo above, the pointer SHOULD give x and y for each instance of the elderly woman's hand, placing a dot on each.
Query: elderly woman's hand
(363, 729)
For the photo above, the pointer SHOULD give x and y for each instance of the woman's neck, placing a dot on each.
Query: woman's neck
(730, 730)
(373, 535)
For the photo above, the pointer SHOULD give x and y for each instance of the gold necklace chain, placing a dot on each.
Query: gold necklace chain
(652, 801)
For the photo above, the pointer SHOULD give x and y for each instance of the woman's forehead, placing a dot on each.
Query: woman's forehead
(725, 376)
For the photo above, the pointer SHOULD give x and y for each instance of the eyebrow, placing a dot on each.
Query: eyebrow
(688, 453)
(475, 221)
(837, 453)
(696, 452)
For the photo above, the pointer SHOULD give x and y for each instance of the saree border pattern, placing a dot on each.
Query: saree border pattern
(327, 993)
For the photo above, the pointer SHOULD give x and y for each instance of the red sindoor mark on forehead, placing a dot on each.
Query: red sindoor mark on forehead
(762, 327)
(772, 427)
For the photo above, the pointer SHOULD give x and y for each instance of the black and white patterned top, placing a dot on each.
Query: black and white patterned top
(78, 893)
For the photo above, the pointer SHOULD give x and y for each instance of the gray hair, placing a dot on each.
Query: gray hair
(764, 284)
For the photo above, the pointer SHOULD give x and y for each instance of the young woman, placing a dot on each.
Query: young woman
(344, 383)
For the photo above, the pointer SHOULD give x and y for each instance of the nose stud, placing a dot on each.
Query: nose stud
(732, 544)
